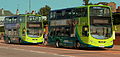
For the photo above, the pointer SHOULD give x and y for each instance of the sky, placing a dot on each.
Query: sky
(23, 5)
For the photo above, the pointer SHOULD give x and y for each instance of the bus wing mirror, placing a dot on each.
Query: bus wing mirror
(115, 28)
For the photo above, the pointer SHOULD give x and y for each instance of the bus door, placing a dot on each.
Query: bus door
(85, 34)
(51, 35)
(8, 32)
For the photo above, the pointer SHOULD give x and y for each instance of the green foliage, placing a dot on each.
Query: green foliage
(91, 4)
(116, 18)
(86, 2)
(44, 11)
(2, 29)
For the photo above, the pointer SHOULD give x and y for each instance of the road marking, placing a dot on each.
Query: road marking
(52, 48)
(37, 51)
(44, 47)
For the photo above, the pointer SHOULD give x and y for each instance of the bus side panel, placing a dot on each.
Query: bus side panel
(84, 40)
(22, 30)
(51, 40)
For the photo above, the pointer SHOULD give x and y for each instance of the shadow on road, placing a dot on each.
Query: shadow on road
(93, 49)
(88, 49)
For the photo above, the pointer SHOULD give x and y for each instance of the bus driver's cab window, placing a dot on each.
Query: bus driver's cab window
(85, 31)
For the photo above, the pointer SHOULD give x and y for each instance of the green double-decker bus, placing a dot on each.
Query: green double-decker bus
(25, 28)
(85, 26)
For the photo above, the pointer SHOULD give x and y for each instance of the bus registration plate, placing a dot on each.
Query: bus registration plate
(101, 46)
(34, 42)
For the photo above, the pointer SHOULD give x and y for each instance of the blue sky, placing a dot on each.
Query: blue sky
(22, 5)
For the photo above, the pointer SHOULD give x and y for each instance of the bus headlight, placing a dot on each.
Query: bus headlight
(28, 39)
(91, 41)
(111, 41)
(42, 39)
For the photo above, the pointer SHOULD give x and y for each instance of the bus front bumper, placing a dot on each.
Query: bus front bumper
(32, 42)
(99, 46)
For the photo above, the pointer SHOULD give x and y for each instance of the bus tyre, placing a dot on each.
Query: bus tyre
(77, 45)
(45, 42)
(57, 44)
(7, 41)
(20, 41)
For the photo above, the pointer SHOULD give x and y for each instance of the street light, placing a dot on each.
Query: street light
(29, 6)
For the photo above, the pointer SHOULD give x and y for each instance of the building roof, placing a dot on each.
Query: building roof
(103, 3)
(118, 7)
(6, 13)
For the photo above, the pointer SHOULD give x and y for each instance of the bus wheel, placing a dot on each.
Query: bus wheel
(7, 41)
(45, 42)
(57, 44)
(77, 45)
(20, 41)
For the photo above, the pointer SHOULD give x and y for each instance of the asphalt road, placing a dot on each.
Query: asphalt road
(15, 50)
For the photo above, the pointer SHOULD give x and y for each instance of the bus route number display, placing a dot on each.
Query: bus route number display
(100, 21)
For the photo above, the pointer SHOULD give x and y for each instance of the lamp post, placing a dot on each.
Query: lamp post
(29, 6)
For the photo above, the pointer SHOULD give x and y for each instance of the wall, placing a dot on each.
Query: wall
(117, 39)
(118, 9)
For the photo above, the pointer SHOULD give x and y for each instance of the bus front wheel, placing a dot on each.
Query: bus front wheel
(57, 44)
(20, 41)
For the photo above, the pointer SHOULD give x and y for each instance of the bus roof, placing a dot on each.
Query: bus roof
(22, 15)
(12, 16)
(79, 7)
(30, 15)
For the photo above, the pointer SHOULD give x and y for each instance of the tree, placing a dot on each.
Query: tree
(116, 18)
(91, 4)
(86, 2)
(44, 11)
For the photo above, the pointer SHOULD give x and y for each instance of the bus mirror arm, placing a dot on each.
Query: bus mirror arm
(115, 28)
(113, 35)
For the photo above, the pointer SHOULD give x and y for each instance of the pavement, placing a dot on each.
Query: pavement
(10, 52)
(116, 47)
(1, 41)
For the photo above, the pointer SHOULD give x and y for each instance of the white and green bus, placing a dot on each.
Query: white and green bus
(85, 26)
(25, 28)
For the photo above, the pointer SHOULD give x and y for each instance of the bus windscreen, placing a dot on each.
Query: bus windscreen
(99, 11)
